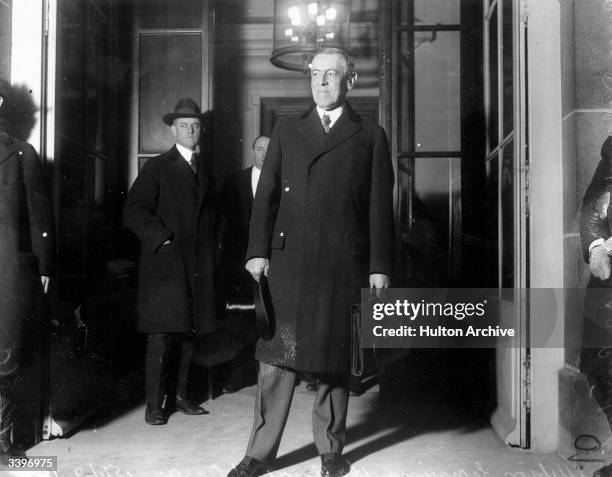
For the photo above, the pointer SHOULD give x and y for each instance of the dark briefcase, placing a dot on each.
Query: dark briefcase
(367, 361)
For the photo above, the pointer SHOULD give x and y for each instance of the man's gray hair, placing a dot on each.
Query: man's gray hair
(349, 64)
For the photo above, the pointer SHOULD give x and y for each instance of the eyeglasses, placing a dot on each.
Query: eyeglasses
(330, 75)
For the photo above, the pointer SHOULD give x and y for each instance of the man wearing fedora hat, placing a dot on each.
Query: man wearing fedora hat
(169, 208)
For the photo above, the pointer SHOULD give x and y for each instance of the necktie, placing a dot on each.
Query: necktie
(193, 162)
(326, 121)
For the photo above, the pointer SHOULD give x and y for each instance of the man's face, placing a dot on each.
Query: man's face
(186, 132)
(259, 151)
(328, 80)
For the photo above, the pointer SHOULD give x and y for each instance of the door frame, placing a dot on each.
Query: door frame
(546, 225)
(512, 417)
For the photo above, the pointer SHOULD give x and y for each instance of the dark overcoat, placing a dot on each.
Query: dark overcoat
(175, 281)
(27, 239)
(323, 214)
(234, 205)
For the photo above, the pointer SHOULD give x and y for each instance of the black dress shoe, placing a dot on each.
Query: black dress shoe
(334, 465)
(155, 416)
(605, 471)
(186, 407)
(250, 467)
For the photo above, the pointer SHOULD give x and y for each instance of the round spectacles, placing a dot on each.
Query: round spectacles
(330, 75)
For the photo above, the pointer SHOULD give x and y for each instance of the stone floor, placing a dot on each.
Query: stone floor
(420, 436)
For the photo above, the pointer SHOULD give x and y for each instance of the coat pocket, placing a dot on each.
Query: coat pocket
(165, 260)
(278, 240)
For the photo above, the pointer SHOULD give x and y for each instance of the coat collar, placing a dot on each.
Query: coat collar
(5, 138)
(184, 169)
(348, 124)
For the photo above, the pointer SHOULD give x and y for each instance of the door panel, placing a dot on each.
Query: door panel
(506, 191)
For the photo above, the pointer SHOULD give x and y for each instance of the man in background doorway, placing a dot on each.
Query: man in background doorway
(169, 208)
(234, 207)
(321, 229)
(27, 248)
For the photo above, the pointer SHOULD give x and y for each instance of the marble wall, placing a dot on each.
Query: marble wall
(586, 58)
(586, 63)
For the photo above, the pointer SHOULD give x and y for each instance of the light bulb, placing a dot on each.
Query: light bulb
(293, 12)
(289, 32)
(313, 8)
(321, 20)
(331, 13)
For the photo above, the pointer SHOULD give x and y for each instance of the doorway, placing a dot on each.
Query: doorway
(454, 95)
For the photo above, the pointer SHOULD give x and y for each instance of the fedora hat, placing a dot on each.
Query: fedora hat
(185, 108)
(264, 312)
(253, 299)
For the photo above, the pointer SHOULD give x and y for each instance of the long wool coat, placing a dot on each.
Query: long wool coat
(175, 281)
(323, 214)
(26, 242)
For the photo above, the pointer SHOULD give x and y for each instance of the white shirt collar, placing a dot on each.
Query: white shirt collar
(186, 153)
(255, 173)
(334, 114)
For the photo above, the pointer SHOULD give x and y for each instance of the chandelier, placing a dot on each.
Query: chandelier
(302, 27)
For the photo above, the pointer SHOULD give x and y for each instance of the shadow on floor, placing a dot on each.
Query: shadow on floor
(429, 392)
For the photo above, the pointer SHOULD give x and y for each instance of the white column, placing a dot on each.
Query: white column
(546, 209)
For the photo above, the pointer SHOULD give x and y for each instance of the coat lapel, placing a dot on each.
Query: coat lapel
(246, 188)
(348, 124)
(202, 178)
(6, 147)
(183, 169)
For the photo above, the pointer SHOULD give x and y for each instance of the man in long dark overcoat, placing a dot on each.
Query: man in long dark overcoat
(169, 208)
(321, 229)
(27, 244)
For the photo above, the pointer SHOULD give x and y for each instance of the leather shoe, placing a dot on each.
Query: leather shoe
(334, 465)
(154, 415)
(186, 407)
(605, 471)
(250, 467)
